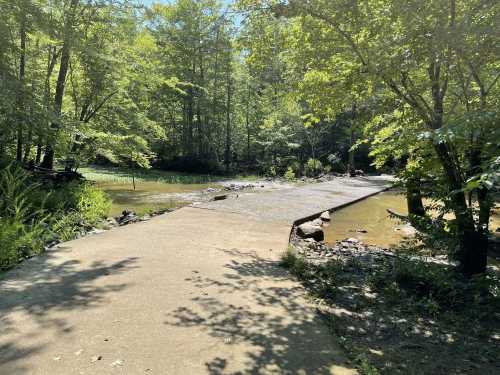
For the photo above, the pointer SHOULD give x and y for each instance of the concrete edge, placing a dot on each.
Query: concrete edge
(336, 208)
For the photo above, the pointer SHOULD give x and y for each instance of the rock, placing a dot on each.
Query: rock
(96, 231)
(361, 231)
(127, 218)
(220, 197)
(317, 222)
(111, 221)
(309, 230)
(325, 216)
(118, 362)
(352, 240)
(96, 358)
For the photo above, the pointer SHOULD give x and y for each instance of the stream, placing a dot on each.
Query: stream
(369, 222)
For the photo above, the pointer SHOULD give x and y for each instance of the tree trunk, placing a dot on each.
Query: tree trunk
(247, 123)
(21, 109)
(227, 155)
(472, 244)
(48, 159)
(350, 153)
(414, 198)
(38, 156)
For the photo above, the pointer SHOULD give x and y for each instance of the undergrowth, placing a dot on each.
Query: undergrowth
(32, 213)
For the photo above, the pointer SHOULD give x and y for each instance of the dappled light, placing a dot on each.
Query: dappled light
(290, 342)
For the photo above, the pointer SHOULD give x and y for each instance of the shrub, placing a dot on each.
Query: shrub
(68, 226)
(271, 172)
(336, 162)
(91, 203)
(76, 207)
(290, 174)
(313, 168)
(22, 230)
(435, 288)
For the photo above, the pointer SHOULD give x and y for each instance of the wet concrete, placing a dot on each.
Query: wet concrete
(296, 204)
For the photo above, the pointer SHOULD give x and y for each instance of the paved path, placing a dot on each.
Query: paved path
(197, 291)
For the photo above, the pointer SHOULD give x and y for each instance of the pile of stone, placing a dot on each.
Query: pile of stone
(129, 217)
(348, 249)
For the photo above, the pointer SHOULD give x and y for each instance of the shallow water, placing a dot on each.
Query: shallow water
(371, 215)
(151, 196)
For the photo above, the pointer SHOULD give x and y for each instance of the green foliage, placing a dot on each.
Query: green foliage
(296, 264)
(290, 174)
(434, 289)
(83, 197)
(76, 207)
(313, 168)
(30, 215)
(325, 277)
(22, 228)
(69, 226)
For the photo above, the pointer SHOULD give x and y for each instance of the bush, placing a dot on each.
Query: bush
(313, 168)
(31, 215)
(84, 198)
(76, 208)
(336, 163)
(271, 172)
(69, 225)
(290, 174)
(434, 288)
(22, 230)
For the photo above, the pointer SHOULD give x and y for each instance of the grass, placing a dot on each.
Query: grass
(405, 316)
(124, 175)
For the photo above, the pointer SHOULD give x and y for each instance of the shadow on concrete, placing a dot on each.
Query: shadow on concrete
(41, 286)
(286, 337)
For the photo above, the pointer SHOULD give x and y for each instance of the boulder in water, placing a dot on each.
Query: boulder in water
(310, 230)
(325, 216)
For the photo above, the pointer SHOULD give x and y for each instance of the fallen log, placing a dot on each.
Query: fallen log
(398, 215)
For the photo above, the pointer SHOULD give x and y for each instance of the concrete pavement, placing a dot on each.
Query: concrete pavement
(196, 291)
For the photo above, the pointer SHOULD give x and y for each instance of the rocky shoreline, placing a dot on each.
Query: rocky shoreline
(306, 240)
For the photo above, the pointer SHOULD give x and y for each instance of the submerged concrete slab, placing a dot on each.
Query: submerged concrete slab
(291, 205)
(197, 291)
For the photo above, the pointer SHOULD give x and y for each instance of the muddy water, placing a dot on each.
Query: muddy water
(152, 196)
(369, 221)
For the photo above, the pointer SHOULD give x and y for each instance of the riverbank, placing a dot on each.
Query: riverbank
(397, 313)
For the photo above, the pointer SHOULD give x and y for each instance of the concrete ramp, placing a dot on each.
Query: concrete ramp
(197, 291)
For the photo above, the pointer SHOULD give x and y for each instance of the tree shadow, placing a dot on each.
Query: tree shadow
(43, 285)
(391, 334)
(286, 336)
